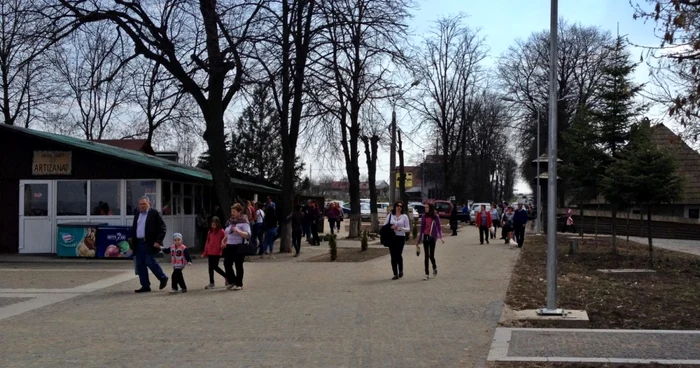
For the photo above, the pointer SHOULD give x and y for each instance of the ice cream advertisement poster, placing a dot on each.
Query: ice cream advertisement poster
(112, 242)
(76, 242)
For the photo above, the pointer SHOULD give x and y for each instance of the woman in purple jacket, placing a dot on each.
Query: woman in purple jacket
(430, 232)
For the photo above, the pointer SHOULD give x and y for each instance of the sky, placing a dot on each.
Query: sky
(502, 22)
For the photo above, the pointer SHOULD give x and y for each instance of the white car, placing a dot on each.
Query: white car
(365, 213)
(476, 207)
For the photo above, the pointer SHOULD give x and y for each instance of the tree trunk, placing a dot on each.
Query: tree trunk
(214, 136)
(613, 228)
(628, 225)
(402, 176)
(371, 155)
(597, 211)
(651, 246)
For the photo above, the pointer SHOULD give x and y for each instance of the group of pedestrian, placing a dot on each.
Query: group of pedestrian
(430, 232)
(512, 221)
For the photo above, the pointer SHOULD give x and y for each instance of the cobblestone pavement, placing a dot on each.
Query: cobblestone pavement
(584, 345)
(290, 314)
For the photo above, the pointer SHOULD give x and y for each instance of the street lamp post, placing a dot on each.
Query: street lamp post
(392, 158)
(422, 179)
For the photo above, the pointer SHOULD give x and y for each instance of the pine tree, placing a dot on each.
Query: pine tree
(644, 174)
(586, 166)
(617, 111)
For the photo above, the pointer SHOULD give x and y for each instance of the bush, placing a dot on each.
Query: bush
(334, 247)
(364, 241)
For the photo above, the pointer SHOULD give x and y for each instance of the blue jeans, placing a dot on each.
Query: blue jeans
(270, 239)
(144, 262)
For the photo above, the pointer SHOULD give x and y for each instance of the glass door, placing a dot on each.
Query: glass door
(36, 217)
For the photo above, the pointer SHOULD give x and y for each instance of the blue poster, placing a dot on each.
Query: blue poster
(76, 240)
(112, 242)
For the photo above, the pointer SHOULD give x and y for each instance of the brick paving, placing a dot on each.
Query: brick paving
(583, 345)
(290, 314)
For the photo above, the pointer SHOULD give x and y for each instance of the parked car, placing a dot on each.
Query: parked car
(476, 207)
(442, 207)
(365, 211)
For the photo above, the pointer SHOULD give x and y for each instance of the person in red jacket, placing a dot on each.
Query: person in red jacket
(213, 250)
(484, 223)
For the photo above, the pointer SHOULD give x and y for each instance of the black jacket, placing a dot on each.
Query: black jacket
(155, 230)
(270, 217)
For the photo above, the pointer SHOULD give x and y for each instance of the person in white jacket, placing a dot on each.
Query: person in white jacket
(400, 224)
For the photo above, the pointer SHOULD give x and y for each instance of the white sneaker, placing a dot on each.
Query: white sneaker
(237, 288)
(272, 257)
(426, 278)
(209, 287)
(173, 291)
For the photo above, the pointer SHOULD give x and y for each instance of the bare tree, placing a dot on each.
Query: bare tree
(92, 92)
(361, 43)
(524, 75)
(676, 61)
(449, 68)
(282, 51)
(201, 44)
(160, 99)
(371, 140)
(22, 68)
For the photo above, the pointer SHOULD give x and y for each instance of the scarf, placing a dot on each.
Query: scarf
(238, 220)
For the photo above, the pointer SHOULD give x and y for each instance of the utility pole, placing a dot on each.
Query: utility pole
(392, 158)
(402, 177)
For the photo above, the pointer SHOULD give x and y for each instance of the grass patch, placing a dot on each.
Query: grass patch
(668, 299)
(351, 255)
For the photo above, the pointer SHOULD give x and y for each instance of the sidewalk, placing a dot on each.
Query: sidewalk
(595, 346)
(290, 314)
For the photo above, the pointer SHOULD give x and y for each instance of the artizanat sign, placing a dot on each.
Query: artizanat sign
(52, 163)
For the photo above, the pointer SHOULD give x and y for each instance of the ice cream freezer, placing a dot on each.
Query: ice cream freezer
(112, 242)
(77, 239)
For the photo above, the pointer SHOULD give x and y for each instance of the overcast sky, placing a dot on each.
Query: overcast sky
(501, 23)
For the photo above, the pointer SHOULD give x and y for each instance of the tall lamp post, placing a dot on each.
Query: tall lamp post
(392, 158)
(422, 179)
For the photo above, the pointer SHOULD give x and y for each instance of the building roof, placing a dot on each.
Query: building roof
(688, 160)
(136, 157)
(140, 145)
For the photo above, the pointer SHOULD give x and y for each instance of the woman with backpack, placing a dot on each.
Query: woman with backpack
(400, 225)
(430, 232)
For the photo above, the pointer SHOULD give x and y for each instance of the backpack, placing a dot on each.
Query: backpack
(386, 234)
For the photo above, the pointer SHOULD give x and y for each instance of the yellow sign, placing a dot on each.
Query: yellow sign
(409, 180)
(52, 163)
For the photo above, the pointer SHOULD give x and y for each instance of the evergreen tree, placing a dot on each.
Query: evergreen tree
(644, 174)
(586, 166)
(617, 111)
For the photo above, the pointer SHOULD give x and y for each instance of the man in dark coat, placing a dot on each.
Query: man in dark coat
(149, 231)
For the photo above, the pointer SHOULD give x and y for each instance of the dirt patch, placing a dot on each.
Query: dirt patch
(351, 255)
(665, 300)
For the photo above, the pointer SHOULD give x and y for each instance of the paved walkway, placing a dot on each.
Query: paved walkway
(291, 313)
(595, 346)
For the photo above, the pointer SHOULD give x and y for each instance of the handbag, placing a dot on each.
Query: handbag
(246, 249)
(386, 234)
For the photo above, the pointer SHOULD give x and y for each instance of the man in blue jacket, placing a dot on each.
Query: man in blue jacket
(519, 223)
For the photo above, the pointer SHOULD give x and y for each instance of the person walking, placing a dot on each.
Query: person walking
(484, 222)
(237, 231)
(271, 224)
(314, 216)
(430, 232)
(519, 223)
(495, 219)
(454, 223)
(569, 222)
(507, 223)
(297, 219)
(149, 232)
(400, 224)
(333, 215)
(212, 250)
(179, 257)
(259, 228)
